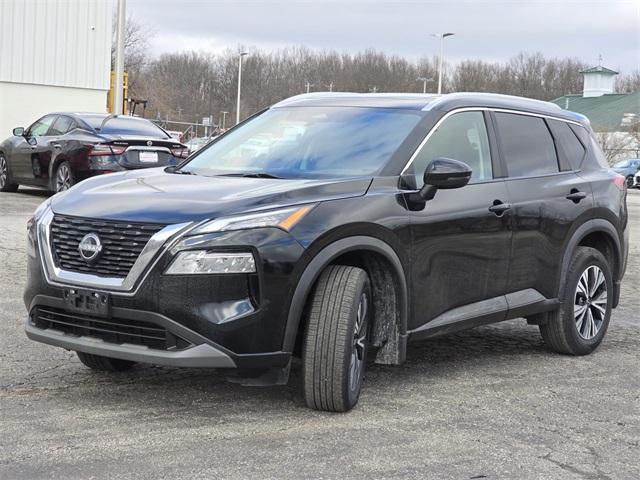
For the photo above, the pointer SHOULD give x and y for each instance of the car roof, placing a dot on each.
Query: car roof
(431, 102)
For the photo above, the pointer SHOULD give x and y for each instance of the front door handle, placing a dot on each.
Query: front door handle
(57, 145)
(575, 196)
(499, 207)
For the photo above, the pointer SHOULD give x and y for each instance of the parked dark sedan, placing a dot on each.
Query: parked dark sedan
(60, 149)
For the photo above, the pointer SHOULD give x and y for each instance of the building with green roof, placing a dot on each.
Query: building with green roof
(607, 111)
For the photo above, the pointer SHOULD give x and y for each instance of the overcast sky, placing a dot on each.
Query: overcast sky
(485, 29)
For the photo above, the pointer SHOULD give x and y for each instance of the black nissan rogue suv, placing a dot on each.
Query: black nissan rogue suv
(333, 227)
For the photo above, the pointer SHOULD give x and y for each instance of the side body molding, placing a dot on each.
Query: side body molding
(316, 266)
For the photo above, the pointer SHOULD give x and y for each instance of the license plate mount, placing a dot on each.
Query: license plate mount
(89, 302)
(148, 157)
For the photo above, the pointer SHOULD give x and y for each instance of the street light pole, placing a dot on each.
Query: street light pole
(424, 83)
(441, 36)
(224, 118)
(119, 73)
(242, 54)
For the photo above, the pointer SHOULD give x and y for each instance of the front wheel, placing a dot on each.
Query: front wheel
(335, 342)
(579, 325)
(5, 178)
(630, 181)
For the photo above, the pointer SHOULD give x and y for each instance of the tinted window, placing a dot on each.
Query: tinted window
(570, 150)
(462, 136)
(309, 142)
(527, 145)
(62, 125)
(124, 125)
(41, 127)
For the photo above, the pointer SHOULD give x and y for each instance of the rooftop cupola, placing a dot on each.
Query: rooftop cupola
(598, 81)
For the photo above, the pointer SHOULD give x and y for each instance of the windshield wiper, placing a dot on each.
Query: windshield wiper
(178, 171)
(251, 175)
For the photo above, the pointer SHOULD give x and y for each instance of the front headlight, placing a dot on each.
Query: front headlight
(192, 262)
(32, 226)
(284, 218)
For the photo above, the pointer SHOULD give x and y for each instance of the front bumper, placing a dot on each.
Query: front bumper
(228, 320)
(202, 355)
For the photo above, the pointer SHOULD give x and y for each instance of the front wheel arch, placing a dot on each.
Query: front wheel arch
(330, 254)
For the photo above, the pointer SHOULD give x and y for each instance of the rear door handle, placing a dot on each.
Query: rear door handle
(575, 196)
(499, 207)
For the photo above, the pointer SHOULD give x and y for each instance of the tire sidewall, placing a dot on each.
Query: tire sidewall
(584, 260)
(352, 395)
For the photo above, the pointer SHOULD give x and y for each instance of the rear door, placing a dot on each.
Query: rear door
(549, 198)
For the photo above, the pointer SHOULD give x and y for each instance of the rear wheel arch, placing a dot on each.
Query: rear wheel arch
(601, 235)
(390, 293)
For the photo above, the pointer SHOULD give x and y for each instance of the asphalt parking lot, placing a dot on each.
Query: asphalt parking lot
(487, 403)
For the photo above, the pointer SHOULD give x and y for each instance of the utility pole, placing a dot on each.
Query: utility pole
(224, 118)
(441, 36)
(119, 73)
(308, 86)
(242, 54)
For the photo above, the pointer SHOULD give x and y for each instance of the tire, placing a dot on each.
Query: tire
(63, 179)
(5, 177)
(630, 181)
(335, 342)
(105, 364)
(569, 330)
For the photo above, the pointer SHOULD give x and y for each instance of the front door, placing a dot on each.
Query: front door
(26, 164)
(461, 238)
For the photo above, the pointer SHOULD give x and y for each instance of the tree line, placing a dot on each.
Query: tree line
(188, 86)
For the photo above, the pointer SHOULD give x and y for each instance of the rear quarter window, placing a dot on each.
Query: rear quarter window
(570, 150)
(527, 145)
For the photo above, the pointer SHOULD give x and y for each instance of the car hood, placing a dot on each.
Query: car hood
(152, 195)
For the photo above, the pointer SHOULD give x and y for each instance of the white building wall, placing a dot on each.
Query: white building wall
(54, 56)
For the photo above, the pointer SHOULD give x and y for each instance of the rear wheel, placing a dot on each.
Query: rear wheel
(335, 343)
(579, 325)
(5, 178)
(105, 364)
(64, 178)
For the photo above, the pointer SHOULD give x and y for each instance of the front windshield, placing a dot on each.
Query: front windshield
(309, 142)
(622, 164)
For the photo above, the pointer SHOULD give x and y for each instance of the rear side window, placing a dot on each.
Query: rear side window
(62, 125)
(570, 150)
(527, 145)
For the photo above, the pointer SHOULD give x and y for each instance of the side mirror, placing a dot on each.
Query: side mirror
(444, 173)
(18, 131)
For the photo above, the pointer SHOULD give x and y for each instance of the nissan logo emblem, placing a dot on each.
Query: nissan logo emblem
(90, 247)
(149, 143)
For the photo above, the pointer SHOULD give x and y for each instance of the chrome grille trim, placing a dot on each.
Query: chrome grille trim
(126, 286)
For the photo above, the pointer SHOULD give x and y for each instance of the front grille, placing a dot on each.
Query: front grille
(122, 243)
(112, 330)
